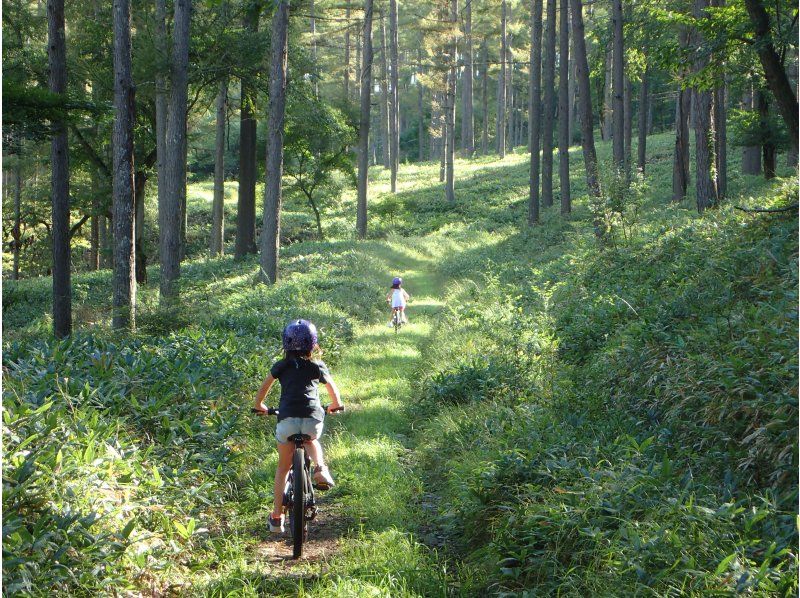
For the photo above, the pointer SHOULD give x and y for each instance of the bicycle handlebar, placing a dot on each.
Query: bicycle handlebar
(273, 411)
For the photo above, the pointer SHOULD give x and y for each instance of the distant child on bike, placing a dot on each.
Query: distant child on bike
(398, 298)
(300, 411)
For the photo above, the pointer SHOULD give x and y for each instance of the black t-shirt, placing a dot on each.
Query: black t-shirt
(300, 380)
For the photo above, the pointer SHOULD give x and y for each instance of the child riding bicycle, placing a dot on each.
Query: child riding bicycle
(398, 298)
(300, 411)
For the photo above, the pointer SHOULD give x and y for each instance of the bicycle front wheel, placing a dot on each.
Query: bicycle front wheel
(299, 504)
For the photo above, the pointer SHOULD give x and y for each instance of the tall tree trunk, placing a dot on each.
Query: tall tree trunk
(751, 155)
(618, 86)
(628, 125)
(217, 245)
(313, 31)
(721, 139)
(485, 100)
(467, 119)
(384, 135)
(680, 163)
(451, 105)
(102, 225)
(644, 100)
(607, 109)
(161, 89)
(705, 184)
(768, 150)
(534, 109)
(123, 198)
(572, 91)
(363, 132)
(359, 69)
(563, 107)
(347, 52)
(394, 95)
(501, 89)
(420, 108)
(271, 236)
(585, 101)
(140, 257)
(16, 233)
(443, 131)
(773, 69)
(94, 239)
(509, 62)
(548, 75)
(171, 214)
(59, 163)
(246, 201)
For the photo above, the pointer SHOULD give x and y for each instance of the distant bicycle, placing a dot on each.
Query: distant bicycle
(397, 320)
(299, 503)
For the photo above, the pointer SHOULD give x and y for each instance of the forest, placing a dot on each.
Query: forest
(592, 203)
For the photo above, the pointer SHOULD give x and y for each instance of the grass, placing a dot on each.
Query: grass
(525, 417)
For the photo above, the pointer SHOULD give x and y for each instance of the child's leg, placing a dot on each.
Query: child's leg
(314, 449)
(285, 452)
(403, 315)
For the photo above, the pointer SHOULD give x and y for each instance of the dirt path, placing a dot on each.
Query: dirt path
(366, 446)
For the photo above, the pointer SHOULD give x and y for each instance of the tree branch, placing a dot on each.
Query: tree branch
(767, 210)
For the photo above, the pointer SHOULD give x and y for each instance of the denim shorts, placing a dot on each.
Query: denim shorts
(297, 425)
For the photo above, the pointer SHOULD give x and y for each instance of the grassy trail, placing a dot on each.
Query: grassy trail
(361, 542)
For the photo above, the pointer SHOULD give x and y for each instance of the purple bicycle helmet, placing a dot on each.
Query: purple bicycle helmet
(397, 281)
(299, 335)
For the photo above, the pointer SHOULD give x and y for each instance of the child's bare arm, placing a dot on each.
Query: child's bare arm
(333, 392)
(262, 393)
(406, 295)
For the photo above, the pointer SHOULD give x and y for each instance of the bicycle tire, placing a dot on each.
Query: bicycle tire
(299, 503)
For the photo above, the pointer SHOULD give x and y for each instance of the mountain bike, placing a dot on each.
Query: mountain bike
(299, 503)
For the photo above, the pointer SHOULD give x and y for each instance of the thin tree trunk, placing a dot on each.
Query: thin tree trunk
(442, 143)
(618, 87)
(705, 184)
(347, 52)
(359, 69)
(751, 155)
(394, 97)
(246, 202)
(59, 163)
(534, 109)
(548, 75)
(271, 236)
(644, 101)
(721, 139)
(363, 133)
(485, 101)
(585, 100)
(607, 110)
(572, 91)
(102, 225)
(217, 245)
(768, 150)
(123, 190)
(773, 70)
(313, 31)
(509, 91)
(171, 214)
(420, 108)
(16, 234)
(501, 89)
(94, 238)
(140, 257)
(467, 119)
(451, 105)
(384, 135)
(563, 107)
(680, 163)
(628, 126)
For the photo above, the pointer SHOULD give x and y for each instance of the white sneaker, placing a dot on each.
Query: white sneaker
(276, 525)
(322, 478)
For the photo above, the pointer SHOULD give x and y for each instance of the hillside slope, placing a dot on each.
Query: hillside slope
(559, 416)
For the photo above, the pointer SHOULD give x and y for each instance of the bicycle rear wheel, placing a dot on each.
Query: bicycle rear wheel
(299, 505)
